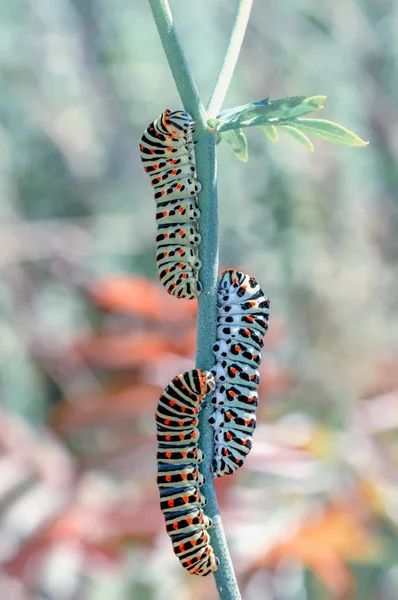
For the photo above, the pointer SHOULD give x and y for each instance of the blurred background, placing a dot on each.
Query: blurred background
(89, 338)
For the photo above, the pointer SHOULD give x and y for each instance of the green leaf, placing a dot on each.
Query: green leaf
(267, 111)
(271, 132)
(298, 136)
(237, 139)
(329, 131)
(232, 113)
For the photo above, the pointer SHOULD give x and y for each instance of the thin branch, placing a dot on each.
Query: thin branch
(175, 57)
(205, 151)
(231, 57)
(206, 337)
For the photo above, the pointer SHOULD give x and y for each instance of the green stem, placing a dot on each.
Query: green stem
(175, 57)
(205, 151)
(231, 57)
(206, 336)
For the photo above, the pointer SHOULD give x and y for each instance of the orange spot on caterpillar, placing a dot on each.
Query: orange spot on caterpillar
(168, 478)
(170, 502)
(169, 454)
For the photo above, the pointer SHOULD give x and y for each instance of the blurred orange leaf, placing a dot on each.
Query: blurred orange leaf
(134, 294)
(324, 545)
(106, 408)
(123, 350)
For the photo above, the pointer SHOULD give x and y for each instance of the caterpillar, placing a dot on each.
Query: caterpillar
(242, 321)
(178, 476)
(167, 153)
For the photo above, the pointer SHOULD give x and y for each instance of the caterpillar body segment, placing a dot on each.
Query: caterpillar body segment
(178, 478)
(242, 322)
(167, 154)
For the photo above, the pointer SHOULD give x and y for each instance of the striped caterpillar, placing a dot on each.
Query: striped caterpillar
(167, 152)
(242, 321)
(178, 476)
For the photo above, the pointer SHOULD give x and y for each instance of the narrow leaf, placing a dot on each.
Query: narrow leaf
(271, 132)
(266, 111)
(329, 131)
(237, 139)
(298, 136)
(232, 113)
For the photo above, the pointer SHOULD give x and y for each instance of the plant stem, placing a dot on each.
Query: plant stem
(231, 57)
(206, 336)
(205, 151)
(175, 57)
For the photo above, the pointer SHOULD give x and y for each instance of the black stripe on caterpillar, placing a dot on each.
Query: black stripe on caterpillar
(179, 479)
(167, 153)
(242, 321)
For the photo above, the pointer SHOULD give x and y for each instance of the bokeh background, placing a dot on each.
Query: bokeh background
(89, 338)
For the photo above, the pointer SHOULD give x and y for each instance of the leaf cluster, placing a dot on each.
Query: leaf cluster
(287, 114)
